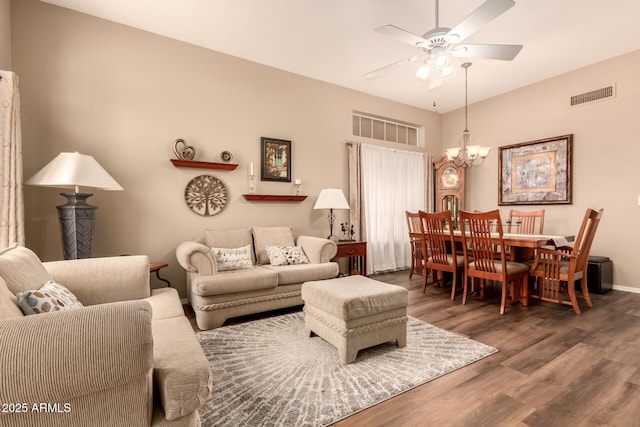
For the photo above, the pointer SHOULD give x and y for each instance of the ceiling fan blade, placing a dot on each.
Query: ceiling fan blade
(488, 11)
(400, 34)
(503, 52)
(387, 68)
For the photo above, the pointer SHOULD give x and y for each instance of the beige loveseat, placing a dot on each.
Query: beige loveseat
(129, 357)
(219, 295)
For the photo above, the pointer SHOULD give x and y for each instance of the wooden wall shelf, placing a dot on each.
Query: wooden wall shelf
(273, 197)
(203, 165)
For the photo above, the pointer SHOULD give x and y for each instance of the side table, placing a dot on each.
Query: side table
(157, 268)
(357, 254)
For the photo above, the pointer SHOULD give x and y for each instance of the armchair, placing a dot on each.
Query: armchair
(128, 357)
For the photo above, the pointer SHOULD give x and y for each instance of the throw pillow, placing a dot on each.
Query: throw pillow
(233, 258)
(50, 297)
(270, 236)
(286, 255)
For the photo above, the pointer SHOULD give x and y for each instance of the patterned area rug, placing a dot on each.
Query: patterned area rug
(268, 373)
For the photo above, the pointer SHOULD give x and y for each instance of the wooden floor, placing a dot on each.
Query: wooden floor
(553, 368)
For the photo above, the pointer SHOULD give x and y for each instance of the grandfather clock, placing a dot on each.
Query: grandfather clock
(449, 187)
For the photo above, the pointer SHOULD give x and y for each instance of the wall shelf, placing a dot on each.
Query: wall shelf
(273, 197)
(203, 165)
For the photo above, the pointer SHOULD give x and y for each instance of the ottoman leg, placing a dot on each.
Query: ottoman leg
(308, 332)
(347, 355)
(401, 339)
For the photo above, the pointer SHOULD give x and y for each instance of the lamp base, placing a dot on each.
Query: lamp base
(77, 219)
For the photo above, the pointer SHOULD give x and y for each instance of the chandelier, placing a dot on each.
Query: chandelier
(467, 153)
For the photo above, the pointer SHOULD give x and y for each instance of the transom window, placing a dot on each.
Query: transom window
(368, 126)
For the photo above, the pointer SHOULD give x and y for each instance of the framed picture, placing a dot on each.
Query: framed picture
(535, 172)
(276, 160)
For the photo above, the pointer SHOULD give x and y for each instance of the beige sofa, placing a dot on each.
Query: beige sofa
(129, 357)
(219, 295)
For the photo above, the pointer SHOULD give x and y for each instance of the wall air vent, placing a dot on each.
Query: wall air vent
(594, 95)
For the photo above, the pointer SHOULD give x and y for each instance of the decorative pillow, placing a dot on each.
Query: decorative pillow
(50, 297)
(233, 258)
(286, 255)
(270, 236)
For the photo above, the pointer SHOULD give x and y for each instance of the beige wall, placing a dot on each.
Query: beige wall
(124, 96)
(606, 172)
(5, 35)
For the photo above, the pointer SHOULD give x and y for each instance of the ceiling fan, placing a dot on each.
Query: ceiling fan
(437, 44)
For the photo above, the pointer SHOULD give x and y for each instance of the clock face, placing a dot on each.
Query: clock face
(450, 177)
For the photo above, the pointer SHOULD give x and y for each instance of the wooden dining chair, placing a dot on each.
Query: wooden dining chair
(556, 270)
(415, 240)
(524, 222)
(480, 258)
(439, 243)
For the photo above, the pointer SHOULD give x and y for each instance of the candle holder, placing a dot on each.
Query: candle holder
(297, 183)
(251, 183)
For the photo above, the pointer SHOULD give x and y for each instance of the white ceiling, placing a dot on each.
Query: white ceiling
(334, 41)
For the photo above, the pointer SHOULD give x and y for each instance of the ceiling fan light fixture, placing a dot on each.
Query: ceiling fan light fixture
(423, 72)
(447, 71)
(439, 58)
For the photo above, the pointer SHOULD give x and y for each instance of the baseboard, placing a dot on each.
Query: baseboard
(626, 289)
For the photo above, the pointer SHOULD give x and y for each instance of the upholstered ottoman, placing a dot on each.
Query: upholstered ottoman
(355, 312)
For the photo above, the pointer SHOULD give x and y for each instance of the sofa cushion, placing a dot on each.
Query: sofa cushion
(8, 303)
(182, 375)
(270, 236)
(22, 270)
(233, 258)
(292, 274)
(233, 281)
(286, 255)
(165, 303)
(50, 297)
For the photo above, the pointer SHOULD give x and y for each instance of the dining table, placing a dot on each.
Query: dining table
(523, 245)
(522, 248)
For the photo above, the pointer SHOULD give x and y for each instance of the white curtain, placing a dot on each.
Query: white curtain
(393, 181)
(11, 197)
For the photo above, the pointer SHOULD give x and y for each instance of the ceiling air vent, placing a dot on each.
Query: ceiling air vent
(595, 95)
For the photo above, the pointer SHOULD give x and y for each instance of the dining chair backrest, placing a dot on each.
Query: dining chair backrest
(413, 224)
(524, 222)
(415, 240)
(479, 244)
(584, 239)
(557, 270)
(437, 229)
(438, 242)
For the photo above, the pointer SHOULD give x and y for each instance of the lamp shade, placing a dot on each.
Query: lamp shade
(331, 198)
(74, 170)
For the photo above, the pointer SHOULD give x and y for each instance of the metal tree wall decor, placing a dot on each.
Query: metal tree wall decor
(205, 195)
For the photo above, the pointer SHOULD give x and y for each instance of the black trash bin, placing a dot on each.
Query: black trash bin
(599, 274)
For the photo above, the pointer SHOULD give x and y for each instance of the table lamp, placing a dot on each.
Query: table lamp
(331, 198)
(77, 217)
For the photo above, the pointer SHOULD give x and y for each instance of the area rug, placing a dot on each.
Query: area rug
(269, 373)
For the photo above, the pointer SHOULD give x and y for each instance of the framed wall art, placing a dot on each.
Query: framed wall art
(535, 172)
(205, 195)
(276, 160)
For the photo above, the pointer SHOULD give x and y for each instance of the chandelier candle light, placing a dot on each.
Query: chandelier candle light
(467, 153)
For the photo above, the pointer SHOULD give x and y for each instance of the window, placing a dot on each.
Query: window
(383, 129)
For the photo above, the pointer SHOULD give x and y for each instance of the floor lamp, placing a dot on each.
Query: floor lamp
(77, 217)
(331, 198)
